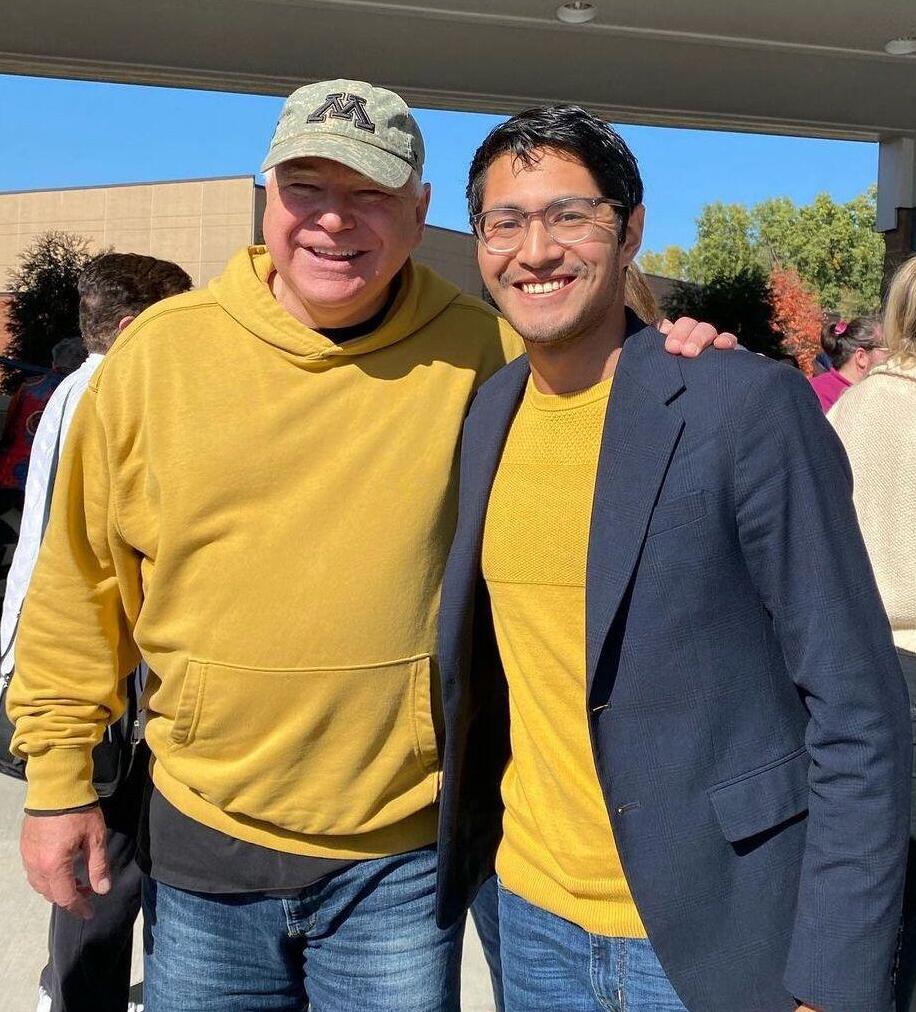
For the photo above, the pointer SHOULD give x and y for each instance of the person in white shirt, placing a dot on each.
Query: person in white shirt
(88, 969)
(49, 436)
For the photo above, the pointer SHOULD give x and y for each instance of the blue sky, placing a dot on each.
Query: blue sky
(67, 133)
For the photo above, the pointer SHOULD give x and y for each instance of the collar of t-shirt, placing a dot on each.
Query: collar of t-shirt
(340, 334)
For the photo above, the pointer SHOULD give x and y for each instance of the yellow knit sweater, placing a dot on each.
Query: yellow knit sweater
(558, 848)
(264, 516)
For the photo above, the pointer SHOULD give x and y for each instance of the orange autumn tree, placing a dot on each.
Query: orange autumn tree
(797, 315)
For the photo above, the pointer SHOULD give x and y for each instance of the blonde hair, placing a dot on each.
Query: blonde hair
(900, 314)
(638, 295)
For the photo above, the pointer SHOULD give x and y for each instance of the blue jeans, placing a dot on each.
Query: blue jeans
(364, 938)
(549, 963)
(485, 912)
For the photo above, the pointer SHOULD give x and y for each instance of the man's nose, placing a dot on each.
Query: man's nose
(539, 247)
(334, 215)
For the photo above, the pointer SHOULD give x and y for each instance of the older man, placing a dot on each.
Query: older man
(260, 499)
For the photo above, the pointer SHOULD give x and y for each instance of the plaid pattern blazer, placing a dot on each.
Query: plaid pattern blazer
(748, 716)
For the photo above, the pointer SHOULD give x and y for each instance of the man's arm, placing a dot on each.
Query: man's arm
(801, 541)
(686, 336)
(74, 651)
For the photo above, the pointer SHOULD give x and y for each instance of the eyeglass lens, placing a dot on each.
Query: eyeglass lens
(568, 221)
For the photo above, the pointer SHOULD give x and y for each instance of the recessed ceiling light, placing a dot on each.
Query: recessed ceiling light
(576, 12)
(901, 47)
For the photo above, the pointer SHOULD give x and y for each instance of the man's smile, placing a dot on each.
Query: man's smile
(549, 286)
(334, 255)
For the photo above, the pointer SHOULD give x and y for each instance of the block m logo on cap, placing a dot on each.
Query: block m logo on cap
(344, 106)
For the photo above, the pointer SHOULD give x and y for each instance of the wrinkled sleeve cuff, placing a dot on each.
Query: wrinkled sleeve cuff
(59, 778)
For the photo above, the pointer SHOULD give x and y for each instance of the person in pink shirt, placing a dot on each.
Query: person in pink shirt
(854, 348)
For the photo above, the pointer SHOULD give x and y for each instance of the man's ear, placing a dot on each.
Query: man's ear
(125, 321)
(632, 238)
(423, 208)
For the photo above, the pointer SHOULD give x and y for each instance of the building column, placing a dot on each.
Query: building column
(897, 200)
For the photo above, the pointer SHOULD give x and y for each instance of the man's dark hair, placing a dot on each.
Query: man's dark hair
(115, 285)
(567, 128)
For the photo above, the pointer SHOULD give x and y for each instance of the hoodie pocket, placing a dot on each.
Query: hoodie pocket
(316, 751)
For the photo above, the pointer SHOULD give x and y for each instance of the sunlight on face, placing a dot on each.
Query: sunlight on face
(337, 239)
(549, 292)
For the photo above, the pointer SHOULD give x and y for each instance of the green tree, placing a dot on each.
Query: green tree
(775, 222)
(670, 263)
(739, 303)
(832, 246)
(725, 244)
(44, 308)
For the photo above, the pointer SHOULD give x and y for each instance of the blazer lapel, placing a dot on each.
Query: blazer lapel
(641, 430)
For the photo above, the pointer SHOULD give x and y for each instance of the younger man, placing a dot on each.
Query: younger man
(701, 799)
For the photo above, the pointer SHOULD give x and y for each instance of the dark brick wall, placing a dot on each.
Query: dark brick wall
(900, 243)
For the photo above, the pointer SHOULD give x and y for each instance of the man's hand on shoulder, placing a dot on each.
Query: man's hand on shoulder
(49, 844)
(688, 337)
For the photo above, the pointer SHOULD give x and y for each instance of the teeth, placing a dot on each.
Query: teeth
(537, 288)
(341, 253)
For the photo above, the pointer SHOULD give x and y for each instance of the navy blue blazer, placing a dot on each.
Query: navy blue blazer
(747, 713)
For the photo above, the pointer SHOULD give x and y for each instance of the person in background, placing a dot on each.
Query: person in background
(24, 413)
(638, 295)
(20, 425)
(88, 968)
(877, 423)
(854, 348)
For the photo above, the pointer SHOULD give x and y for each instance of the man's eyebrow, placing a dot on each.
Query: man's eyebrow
(516, 207)
(298, 174)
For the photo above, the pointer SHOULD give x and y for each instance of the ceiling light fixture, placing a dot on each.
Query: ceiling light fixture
(576, 12)
(901, 47)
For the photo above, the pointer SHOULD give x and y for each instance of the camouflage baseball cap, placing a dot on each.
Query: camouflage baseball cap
(367, 129)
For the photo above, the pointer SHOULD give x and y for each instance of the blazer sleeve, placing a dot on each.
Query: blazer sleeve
(801, 541)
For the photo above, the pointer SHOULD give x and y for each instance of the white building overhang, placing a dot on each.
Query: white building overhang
(810, 68)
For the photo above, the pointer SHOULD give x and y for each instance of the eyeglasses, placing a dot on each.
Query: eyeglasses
(568, 221)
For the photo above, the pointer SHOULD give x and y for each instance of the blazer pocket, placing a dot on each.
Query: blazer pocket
(762, 798)
(678, 512)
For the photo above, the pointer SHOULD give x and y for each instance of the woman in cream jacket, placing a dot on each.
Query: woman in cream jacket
(876, 420)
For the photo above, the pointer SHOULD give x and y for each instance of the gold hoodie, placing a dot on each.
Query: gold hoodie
(264, 517)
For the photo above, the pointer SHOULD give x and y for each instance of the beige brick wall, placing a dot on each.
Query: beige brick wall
(197, 223)
(453, 255)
